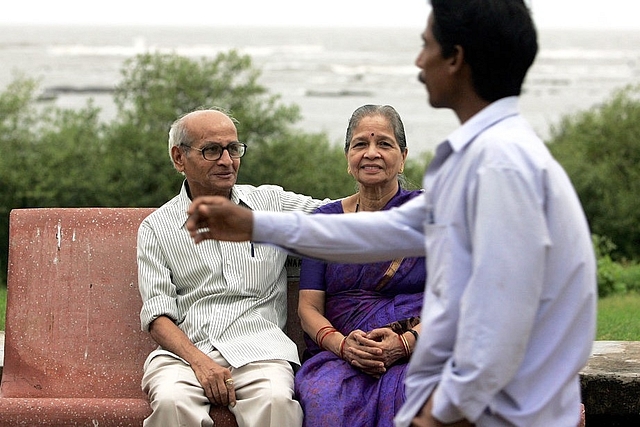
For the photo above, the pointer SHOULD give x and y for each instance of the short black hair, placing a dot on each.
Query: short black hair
(498, 37)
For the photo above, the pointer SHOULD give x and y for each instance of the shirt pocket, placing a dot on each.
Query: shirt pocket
(264, 269)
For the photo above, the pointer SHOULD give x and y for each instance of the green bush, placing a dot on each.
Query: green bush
(630, 276)
(608, 270)
(158, 88)
(614, 277)
(600, 150)
(61, 157)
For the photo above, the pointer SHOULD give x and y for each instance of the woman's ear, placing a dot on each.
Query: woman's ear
(404, 159)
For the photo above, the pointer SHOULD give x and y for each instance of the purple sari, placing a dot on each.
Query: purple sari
(332, 392)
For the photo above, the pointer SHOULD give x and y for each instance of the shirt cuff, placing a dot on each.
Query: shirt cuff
(443, 409)
(417, 391)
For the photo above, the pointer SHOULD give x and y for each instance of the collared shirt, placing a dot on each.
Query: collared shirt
(508, 318)
(224, 295)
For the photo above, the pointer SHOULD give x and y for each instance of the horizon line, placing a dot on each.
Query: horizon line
(281, 26)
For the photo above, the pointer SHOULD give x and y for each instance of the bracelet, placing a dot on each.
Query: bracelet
(320, 330)
(326, 334)
(414, 333)
(344, 340)
(405, 345)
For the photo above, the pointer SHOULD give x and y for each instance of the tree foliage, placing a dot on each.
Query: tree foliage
(600, 150)
(60, 157)
(158, 88)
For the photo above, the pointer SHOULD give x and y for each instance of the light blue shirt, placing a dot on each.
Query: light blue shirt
(224, 295)
(510, 302)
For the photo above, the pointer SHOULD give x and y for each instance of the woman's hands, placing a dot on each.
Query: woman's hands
(373, 352)
(393, 348)
(364, 353)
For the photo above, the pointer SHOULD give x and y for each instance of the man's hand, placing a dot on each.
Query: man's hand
(426, 419)
(219, 218)
(216, 381)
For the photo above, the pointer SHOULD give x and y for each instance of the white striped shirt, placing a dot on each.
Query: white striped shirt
(224, 295)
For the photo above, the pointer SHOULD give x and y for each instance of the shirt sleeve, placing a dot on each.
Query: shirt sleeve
(298, 202)
(154, 280)
(312, 274)
(499, 303)
(362, 238)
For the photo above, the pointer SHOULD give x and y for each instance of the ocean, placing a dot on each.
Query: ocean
(328, 72)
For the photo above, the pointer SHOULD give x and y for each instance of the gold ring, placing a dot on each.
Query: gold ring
(229, 381)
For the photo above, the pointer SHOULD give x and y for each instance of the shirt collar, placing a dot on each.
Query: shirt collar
(239, 196)
(485, 118)
(183, 201)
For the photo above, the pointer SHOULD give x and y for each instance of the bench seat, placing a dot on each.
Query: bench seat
(103, 412)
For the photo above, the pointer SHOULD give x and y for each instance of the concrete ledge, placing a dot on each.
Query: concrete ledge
(611, 384)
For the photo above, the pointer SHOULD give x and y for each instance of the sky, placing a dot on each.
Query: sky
(596, 14)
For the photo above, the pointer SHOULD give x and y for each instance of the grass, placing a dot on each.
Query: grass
(618, 318)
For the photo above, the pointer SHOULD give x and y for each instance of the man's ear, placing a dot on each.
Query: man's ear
(456, 61)
(177, 155)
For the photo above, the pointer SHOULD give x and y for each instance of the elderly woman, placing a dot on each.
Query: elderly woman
(361, 321)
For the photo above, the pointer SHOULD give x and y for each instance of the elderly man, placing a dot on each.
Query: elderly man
(216, 310)
(508, 318)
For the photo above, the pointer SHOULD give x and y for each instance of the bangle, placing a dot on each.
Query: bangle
(414, 333)
(320, 330)
(344, 340)
(405, 345)
(326, 334)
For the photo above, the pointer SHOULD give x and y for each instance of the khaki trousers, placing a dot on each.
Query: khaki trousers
(264, 394)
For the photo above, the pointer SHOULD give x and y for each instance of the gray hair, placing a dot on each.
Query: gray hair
(179, 133)
(389, 113)
(386, 111)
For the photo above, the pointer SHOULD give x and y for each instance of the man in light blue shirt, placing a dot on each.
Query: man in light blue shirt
(510, 300)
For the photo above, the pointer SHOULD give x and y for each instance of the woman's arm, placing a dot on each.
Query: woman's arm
(361, 352)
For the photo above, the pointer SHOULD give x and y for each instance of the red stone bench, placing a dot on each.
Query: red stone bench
(74, 350)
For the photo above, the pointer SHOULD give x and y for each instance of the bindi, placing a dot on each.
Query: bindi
(373, 134)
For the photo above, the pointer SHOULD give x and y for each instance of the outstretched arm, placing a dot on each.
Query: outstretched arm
(219, 218)
(365, 237)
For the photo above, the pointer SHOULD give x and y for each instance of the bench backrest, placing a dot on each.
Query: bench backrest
(73, 326)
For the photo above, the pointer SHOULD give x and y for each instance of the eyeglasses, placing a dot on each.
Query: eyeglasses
(213, 152)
